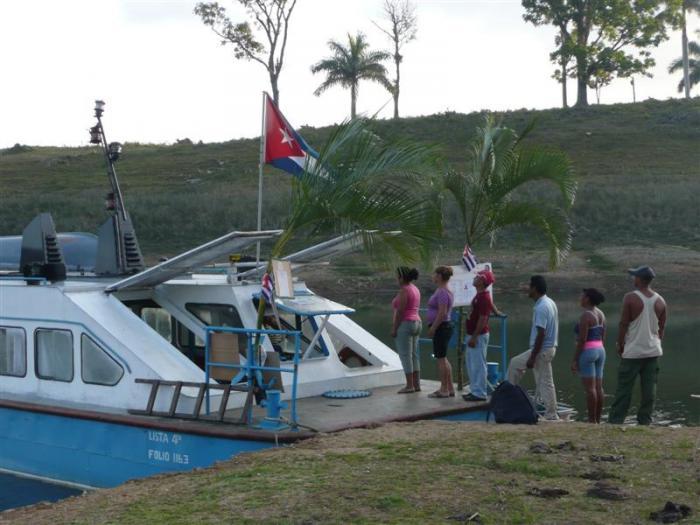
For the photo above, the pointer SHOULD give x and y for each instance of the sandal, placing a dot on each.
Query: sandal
(438, 395)
(452, 394)
(406, 390)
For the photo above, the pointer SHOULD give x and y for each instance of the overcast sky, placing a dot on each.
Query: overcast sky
(164, 75)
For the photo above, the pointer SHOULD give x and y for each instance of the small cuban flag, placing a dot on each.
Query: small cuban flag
(284, 147)
(468, 258)
(268, 285)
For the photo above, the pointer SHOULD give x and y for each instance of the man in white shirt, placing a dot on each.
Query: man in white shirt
(544, 336)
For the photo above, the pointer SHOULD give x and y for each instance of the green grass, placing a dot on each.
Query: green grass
(638, 166)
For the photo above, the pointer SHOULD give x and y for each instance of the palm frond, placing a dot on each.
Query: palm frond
(552, 223)
(350, 187)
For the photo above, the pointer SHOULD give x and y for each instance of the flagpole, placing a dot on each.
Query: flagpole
(260, 174)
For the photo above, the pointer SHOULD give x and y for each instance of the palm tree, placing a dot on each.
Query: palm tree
(360, 182)
(693, 61)
(489, 193)
(348, 65)
(687, 6)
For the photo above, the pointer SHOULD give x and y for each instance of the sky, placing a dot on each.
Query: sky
(165, 76)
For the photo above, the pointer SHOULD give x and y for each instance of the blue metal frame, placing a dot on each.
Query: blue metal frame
(503, 346)
(250, 368)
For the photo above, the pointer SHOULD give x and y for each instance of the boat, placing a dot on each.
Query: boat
(111, 370)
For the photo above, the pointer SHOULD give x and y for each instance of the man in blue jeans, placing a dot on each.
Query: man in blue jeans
(478, 333)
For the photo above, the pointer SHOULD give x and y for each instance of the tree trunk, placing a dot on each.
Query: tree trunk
(582, 94)
(564, 101)
(275, 89)
(397, 60)
(353, 101)
(686, 76)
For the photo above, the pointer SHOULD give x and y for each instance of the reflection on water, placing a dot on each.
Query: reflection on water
(18, 492)
(679, 375)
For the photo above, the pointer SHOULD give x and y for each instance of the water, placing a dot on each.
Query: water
(17, 492)
(679, 375)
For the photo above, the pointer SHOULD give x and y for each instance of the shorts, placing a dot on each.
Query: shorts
(591, 363)
(441, 339)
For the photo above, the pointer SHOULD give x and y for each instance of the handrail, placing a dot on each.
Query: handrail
(250, 369)
(503, 346)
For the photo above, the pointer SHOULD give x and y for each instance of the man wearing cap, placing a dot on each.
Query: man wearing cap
(544, 336)
(639, 344)
(478, 333)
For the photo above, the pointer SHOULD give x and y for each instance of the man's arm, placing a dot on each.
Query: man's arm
(660, 307)
(480, 324)
(625, 320)
(537, 348)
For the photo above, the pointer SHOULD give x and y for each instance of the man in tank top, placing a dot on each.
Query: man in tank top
(639, 344)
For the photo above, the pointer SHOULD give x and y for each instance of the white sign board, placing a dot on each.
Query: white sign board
(282, 271)
(461, 284)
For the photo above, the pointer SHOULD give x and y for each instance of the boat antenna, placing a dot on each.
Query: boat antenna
(112, 151)
(118, 252)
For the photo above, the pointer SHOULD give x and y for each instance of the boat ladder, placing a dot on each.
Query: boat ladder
(203, 389)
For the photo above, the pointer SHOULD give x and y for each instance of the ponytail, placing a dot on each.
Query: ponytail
(407, 274)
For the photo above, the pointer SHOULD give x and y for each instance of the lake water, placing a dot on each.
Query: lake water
(679, 375)
(17, 491)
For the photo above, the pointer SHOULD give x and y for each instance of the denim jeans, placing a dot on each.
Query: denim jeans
(476, 365)
(407, 345)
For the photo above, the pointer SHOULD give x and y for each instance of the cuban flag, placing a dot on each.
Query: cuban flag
(284, 147)
(268, 285)
(468, 258)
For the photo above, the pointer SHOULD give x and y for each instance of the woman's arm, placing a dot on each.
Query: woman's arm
(399, 311)
(439, 319)
(583, 325)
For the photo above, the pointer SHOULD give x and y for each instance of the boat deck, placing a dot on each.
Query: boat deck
(320, 414)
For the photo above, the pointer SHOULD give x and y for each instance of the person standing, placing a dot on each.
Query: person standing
(478, 333)
(439, 317)
(642, 328)
(406, 327)
(589, 359)
(544, 336)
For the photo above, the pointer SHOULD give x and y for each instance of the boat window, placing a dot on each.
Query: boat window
(97, 366)
(54, 354)
(13, 351)
(160, 320)
(218, 315)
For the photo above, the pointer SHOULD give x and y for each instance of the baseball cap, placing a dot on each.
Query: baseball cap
(645, 272)
(487, 276)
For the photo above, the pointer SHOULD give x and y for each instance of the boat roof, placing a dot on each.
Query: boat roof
(192, 259)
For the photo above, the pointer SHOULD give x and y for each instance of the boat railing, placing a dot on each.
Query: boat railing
(251, 370)
(458, 318)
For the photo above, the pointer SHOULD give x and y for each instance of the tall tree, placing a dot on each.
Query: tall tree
(270, 17)
(605, 35)
(400, 25)
(687, 6)
(690, 65)
(489, 194)
(348, 65)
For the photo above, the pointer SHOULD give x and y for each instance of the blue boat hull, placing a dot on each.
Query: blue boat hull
(103, 454)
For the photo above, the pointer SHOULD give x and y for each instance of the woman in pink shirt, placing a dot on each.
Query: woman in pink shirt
(406, 327)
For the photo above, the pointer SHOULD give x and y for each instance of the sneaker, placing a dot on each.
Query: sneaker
(550, 419)
(473, 399)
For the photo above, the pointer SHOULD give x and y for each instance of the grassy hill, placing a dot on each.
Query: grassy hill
(638, 166)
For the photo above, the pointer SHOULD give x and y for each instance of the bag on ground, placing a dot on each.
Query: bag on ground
(511, 404)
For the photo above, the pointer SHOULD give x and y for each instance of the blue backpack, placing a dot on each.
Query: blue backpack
(511, 404)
